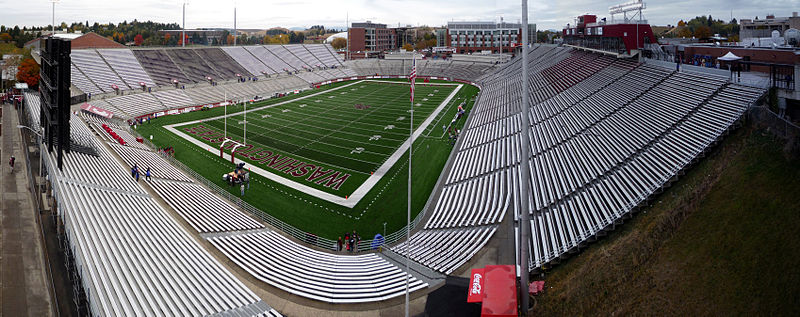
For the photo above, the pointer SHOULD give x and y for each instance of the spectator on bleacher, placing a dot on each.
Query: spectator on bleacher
(147, 174)
(133, 171)
(242, 189)
(339, 244)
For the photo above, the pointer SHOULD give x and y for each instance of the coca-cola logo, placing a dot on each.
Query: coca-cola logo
(476, 284)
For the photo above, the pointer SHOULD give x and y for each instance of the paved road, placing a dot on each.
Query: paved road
(23, 284)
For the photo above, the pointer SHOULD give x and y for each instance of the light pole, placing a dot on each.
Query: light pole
(39, 136)
(524, 219)
(183, 31)
(54, 16)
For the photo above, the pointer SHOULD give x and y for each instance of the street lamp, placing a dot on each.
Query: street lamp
(39, 135)
(54, 16)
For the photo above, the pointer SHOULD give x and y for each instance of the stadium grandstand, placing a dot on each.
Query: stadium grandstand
(185, 248)
(146, 232)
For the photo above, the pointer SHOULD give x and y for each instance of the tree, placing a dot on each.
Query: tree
(28, 72)
(702, 32)
(710, 20)
(408, 48)
(138, 40)
(5, 37)
(339, 43)
(684, 32)
(166, 38)
(681, 23)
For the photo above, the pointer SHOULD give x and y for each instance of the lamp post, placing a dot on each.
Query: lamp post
(54, 16)
(39, 136)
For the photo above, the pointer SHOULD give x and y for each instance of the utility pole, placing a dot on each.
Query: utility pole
(235, 34)
(524, 219)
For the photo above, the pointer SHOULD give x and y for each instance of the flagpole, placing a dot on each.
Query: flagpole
(226, 114)
(245, 123)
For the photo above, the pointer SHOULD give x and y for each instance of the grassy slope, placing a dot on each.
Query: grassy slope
(385, 203)
(722, 241)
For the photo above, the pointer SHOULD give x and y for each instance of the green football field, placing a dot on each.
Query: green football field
(330, 129)
(333, 141)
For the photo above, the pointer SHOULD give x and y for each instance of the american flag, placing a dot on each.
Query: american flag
(413, 76)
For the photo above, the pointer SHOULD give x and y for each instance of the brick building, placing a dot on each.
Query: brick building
(470, 37)
(368, 37)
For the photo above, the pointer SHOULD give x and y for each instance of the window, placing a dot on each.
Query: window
(600, 31)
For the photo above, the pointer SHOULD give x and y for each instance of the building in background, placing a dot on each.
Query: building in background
(367, 38)
(478, 36)
(762, 28)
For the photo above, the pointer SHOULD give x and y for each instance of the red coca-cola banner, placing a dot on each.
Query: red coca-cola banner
(475, 288)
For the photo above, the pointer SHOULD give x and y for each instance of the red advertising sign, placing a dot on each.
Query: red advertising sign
(475, 288)
(98, 111)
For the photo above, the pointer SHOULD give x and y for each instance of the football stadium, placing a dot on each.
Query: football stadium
(301, 179)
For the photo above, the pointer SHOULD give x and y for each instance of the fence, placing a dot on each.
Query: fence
(780, 127)
(310, 238)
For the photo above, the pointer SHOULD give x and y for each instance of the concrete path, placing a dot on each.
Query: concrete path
(24, 286)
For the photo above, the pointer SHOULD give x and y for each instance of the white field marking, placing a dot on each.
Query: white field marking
(375, 137)
(285, 110)
(401, 118)
(389, 127)
(361, 191)
(302, 105)
(266, 116)
(332, 154)
(357, 150)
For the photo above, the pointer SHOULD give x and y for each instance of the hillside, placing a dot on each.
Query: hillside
(721, 241)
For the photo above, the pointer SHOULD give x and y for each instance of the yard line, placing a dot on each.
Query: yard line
(318, 161)
(359, 118)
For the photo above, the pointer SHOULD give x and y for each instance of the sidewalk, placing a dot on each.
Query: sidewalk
(24, 289)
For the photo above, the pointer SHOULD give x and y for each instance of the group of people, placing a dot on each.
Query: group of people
(135, 173)
(361, 106)
(350, 242)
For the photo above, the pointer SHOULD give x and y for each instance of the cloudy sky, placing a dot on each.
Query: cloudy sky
(304, 13)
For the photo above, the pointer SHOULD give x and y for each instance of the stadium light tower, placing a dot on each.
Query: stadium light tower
(54, 16)
(524, 219)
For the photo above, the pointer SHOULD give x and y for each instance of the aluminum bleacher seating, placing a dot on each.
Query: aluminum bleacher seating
(269, 59)
(252, 64)
(94, 67)
(222, 63)
(160, 67)
(195, 68)
(204, 211)
(137, 104)
(286, 56)
(294, 268)
(125, 64)
(173, 98)
(300, 51)
(82, 82)
(145, 158)
(323, 54)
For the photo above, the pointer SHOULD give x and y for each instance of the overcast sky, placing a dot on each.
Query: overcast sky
(304, 13)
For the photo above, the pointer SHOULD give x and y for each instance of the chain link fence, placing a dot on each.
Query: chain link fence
(780, 127)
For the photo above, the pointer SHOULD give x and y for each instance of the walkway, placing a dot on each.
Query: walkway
(24, 286)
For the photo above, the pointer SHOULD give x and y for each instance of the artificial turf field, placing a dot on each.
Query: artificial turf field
(328, 132)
